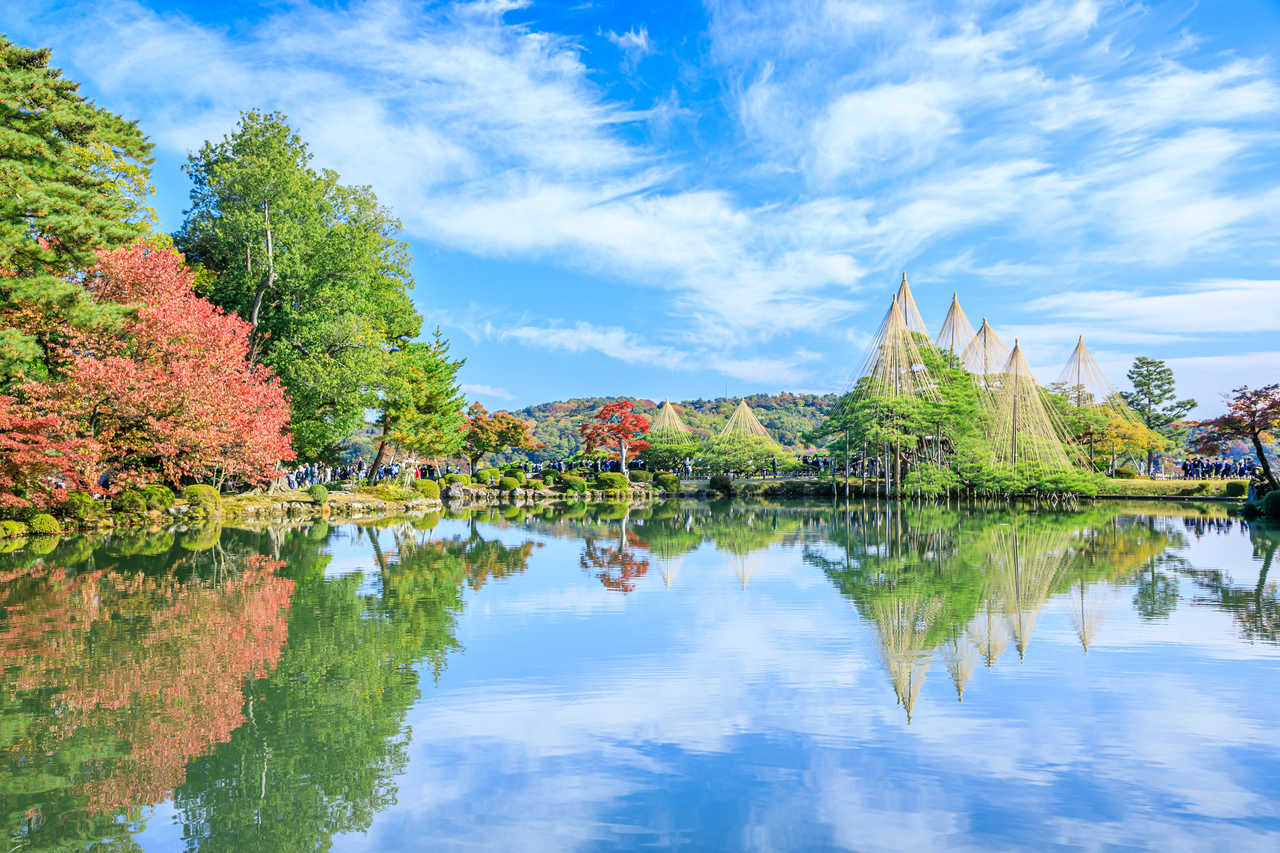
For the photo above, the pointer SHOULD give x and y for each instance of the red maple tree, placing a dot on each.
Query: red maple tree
(1252, 415)
(617, 428)
(171, 394)
(39, 457)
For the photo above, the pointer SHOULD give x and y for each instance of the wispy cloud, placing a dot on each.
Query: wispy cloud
(635, 44)
(487, 391)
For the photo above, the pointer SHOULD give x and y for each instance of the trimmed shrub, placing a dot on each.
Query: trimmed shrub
(667, 482)
(1271, 504)
(78, 505)
(573, 483)
(641, 476)
(429, 489)
(1125, 474)
(548, 476)
(508, 484)
(130, 503)
(488, 476)
(1236, 489)
(721, 483)
(43, 524)
(202, 498)
(612, 481)
(158, 496)
(318, 493)
(584, 473)
(515, 472)
(10, 528)
(457, 478)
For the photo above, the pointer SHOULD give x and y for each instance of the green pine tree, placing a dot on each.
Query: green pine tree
(70, 179)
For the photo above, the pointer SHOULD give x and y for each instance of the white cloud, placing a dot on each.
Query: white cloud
(634, 43)
(487, 391)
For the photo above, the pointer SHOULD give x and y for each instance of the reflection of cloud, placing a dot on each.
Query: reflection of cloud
(608, 719)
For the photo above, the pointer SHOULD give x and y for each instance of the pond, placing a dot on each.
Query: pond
(710, 676)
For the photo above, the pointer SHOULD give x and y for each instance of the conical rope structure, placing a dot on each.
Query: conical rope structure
(909, 310)
(1025, 432)
(956, 332)
(1027, 568)
(668, 420)
(1085, 384)
(743, 421)
(985, 355)
(894, 366)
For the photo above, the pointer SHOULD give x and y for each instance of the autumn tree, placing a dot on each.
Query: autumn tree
(315, 267)
(66, 168)
(421, 406)
(617, 428)
(39, 457)
(494, 433)
(172, 395)
(1252, 415)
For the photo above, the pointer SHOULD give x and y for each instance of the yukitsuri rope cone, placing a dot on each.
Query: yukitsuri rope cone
(987, 632)
(910, 312)
(985, 355)
(894, 366)
(668, 420)
(743, 421)
(1025, 433)
(1086, 385)
(956, 332)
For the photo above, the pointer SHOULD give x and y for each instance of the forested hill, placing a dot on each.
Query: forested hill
(785, 415)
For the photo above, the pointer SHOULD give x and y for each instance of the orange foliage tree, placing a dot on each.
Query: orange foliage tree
(616, 427)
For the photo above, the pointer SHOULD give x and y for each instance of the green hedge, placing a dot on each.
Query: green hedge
(641, 476)
(1271, 504)
(159, 497)
(43, 524)
(667, 482)
(202, 498)
(429, 489)
(514, 472)
(318, 493)
(78, 505)
(573, 483)
(611, 481)
(548, 476)
(721, 483)
(508, 484)
(130, 503)
(1236, 489)
(457, 478)
(488, 476)
(10, 528)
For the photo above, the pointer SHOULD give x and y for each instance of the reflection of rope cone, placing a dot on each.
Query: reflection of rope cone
(1027, 565)
(962, 659)
(988, 635)
(746, 568)
(904, 625)
(670, 568)
(1092, 604)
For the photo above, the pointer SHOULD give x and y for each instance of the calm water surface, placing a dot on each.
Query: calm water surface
(717, 677)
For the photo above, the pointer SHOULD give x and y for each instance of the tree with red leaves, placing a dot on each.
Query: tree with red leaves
(1252, 415)
(171, 395)
(39, 459)
(618, 428)
(485, 433)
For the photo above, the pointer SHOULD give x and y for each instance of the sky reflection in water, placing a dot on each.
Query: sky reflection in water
(719, 677)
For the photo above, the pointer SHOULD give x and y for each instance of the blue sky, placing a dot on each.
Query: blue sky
(687, 200)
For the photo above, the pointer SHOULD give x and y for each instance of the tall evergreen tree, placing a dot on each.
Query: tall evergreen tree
(70, 175)
(422, 403)
(315, 267)
(1154, 397)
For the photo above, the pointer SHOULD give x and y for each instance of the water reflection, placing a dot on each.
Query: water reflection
(268, 693)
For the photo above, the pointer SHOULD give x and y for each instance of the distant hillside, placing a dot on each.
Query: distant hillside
(784, 415)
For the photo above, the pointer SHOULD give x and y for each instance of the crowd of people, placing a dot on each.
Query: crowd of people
(1203, 468)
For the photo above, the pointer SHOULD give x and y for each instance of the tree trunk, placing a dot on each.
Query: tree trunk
(268, 283)
(1262, 459)
(382, 450)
